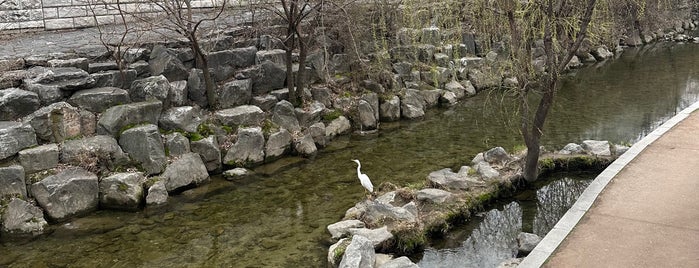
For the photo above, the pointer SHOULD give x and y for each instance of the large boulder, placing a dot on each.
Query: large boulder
(245, 115)
(63, 78)
(309, 115)
(16, 103)
(248, 150)
(483, 79)
(185, 118)
(377, 237)
(412, 104)
(151, 88)
(269, 76)
(317, 132)
(12, 182)
(47, 94)
(376, 213)
(80, 63)
(235, 93)
(157, 194)
(338, 126)
(436, 196)
(178, 93)
(601, 53)
(359, 254)
(99, 99)
(367, 115)
(600, 148)
(305, 146)
(224, 63)
(189, 169)
(69, 193)
(143, 144)
(278, 56)
(285, 116)
(39, 158)
(447, 179)
(340, 229)
(572, 148)
(14, 137)
(209, 151)
(115, 119)
(164, 61)
(104, 150)
(278, 144)
(122, 191)
(196, 87)
(497, 155)
(265, 102)
(115, 78)
(176, 144)
(390, 109)
(23, 218)
(57, 122)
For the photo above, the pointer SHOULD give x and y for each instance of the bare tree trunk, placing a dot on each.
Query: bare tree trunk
(301, 75)
(203, 63)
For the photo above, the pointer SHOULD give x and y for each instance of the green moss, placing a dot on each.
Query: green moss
(332, 115)
(409, 239)
(268, 127)
(546, 164)
(150, 181)
(227, 129)
(340, 250)
(195, 136)
(472, 172)
(205, 130)
(123, 187)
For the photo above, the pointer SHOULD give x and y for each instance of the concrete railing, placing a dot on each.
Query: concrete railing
(71, 14)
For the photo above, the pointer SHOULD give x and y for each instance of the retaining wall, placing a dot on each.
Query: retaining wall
(71, 14)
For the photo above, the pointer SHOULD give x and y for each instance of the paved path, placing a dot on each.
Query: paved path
(646, 216)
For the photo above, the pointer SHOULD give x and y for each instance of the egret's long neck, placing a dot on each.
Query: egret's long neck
(359, 165)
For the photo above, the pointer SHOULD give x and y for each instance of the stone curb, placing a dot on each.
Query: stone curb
(565, 225)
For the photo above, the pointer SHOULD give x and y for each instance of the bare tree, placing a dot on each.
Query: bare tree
(294, 13)
(180, 13)
(562, 26)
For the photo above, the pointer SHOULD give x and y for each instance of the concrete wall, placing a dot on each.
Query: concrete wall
(70, 14)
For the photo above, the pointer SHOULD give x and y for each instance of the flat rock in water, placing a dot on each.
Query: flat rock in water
(339, 229)
(400, 262)
(376, 236)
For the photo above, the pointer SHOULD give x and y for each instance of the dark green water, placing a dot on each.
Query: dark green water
(280, 220)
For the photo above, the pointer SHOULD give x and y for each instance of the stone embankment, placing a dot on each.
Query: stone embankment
(79, 133)
(401, 220)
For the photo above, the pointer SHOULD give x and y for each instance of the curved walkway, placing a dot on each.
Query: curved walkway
(642, 211)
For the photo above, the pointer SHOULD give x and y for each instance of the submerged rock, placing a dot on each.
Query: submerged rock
(237, 174)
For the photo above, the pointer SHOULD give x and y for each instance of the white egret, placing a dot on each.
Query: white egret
(363, 178)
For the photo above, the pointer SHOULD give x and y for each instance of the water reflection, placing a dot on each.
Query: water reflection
(493, 241)
(554, 200)
(494, 237)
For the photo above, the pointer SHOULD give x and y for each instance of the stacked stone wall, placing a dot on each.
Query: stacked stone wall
(71, 14)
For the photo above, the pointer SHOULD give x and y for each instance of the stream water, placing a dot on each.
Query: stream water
(279, 220)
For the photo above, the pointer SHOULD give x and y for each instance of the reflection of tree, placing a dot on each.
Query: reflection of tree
(554, 200)
(494, 241)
